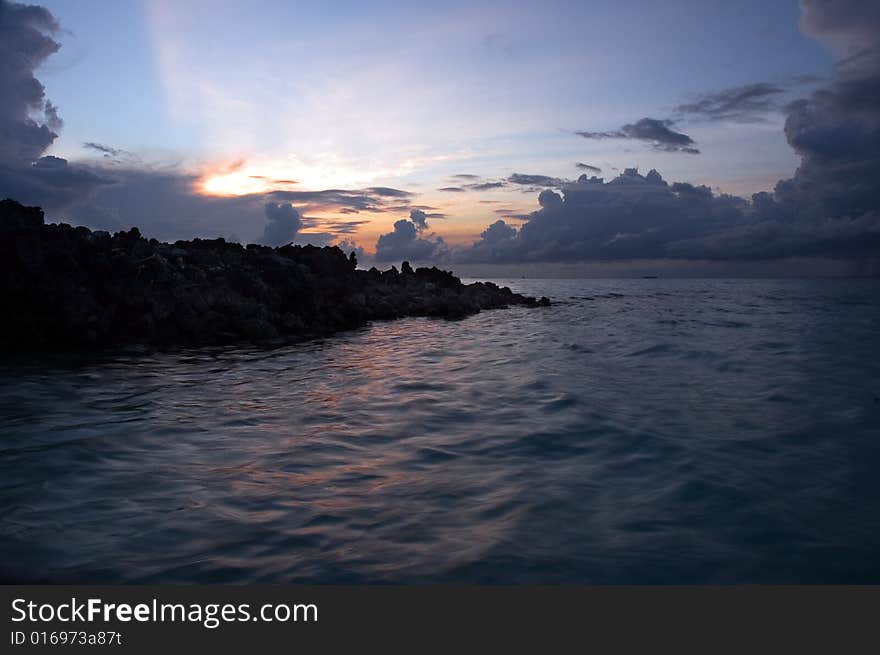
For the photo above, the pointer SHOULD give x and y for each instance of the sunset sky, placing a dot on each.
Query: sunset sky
(191, 116)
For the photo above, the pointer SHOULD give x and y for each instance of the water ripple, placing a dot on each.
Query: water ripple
(640, 431)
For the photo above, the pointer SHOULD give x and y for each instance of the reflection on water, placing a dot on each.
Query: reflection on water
(636, 431)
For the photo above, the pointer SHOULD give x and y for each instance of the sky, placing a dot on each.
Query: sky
(409, 130)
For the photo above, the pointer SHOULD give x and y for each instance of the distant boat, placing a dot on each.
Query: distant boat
(649, 277)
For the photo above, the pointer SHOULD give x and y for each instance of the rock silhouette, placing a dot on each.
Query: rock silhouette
(69, 287)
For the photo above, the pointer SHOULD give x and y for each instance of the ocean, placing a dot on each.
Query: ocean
(637, 431)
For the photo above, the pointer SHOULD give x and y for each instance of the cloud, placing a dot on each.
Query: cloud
(849, 25)
(419, 219)
(476, 186)
(495, 244)
(836, 130)
(342, 227)
(853, 239)
(119, 190)
(389, 192)
(636, 217)
(50, 113)
(830, 207)
(162, 204)
(535, 180)
(510, 213)
(485, 186)
(497, 232)
(630, 217)
(100, 147)
(49, 182)
(657, 132)
(807, 78)
(406, 243)
(25, 174)
(284, 223)
(549, 200)
(113, 156)
(741, 104)
(373, 199)
(25, 43)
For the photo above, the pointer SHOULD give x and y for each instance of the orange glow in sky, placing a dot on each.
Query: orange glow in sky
(239, 178)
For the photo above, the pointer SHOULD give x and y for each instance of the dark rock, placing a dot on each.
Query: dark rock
(68, 288)
(18, 218)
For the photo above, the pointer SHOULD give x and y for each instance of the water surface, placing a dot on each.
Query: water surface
(637, 431)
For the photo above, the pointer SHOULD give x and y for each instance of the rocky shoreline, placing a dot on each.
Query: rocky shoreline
(70, 288)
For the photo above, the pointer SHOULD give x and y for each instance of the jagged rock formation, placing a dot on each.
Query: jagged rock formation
(68, 287)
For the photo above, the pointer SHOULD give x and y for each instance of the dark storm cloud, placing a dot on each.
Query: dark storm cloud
(25, 174)
(830, 208)
(50, 113)
(25, 43)
(549, 199)
(631, 217)
(406, 243)
(850, 24)
(857, 238)
(588, 167)
(742, 104)
(419, 219)
(658, 133)
(836, 130)
(636, 217)
(283, 224)
(497, 232)
(49, 182)
(494, 245)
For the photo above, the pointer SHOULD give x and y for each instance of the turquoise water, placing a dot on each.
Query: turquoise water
(637, 431)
